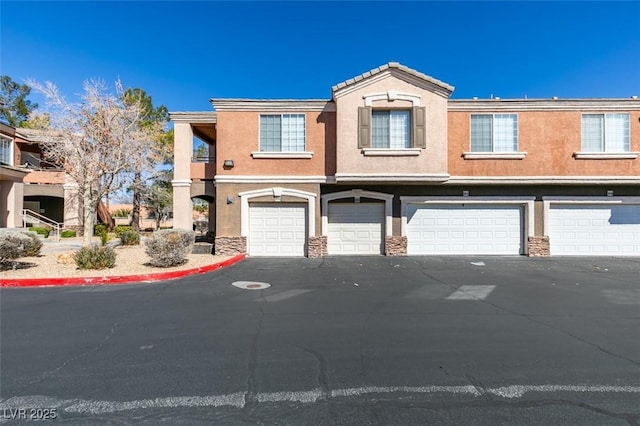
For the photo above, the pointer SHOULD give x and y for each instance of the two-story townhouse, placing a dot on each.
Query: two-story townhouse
(11, 176)
(391, 165)
(30, 183)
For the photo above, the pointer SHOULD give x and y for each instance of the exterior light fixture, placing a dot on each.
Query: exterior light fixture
(609, 193)
(228, 163)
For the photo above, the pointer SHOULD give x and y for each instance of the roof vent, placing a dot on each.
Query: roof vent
(555, 98)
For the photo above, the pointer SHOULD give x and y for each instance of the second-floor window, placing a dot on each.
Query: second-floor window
(605, 132)
(494, 133)
(390, 129)
(282, 133)
(6, 151)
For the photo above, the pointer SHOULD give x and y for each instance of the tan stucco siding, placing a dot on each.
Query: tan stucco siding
(350, 158)
(229, 216)
(45, 177)
(549, 138)
(238, 136)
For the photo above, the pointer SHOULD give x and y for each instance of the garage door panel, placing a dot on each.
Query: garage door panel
(355, 228)
(594, 229)
(277, 230)
(458, 229)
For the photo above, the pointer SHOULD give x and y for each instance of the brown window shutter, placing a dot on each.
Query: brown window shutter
(364, 127)
(419, 137)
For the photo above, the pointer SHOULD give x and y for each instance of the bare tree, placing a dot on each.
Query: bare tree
(98, 141)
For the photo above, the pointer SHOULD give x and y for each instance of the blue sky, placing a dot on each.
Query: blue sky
(183, 53)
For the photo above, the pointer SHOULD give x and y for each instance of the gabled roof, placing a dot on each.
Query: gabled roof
(400, 71)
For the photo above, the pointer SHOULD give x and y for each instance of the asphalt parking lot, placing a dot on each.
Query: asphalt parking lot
(344, 340)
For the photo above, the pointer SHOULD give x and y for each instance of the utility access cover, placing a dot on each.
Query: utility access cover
(251, 285)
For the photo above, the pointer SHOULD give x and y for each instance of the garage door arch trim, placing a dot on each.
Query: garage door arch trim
(277, 192)
(357, 194)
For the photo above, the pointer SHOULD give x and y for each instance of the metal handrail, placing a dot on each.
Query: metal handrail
(37, 217)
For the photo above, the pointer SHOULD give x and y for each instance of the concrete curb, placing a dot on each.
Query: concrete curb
(123, 279)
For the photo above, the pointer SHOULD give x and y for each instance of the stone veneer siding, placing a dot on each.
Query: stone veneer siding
(230, 246)
(317, 247)
(395, 246)
(538, 246)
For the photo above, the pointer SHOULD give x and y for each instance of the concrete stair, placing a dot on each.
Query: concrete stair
(202, 248)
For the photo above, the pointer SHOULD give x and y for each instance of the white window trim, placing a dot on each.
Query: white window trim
(282, 154)
(517, 155)
(277, 192)
(356, 194)
(11, 149)
(391, 95)
(410, 135)
(547, 201)
(480, 153)
(391, 152)
(603, 155)
(526, 202)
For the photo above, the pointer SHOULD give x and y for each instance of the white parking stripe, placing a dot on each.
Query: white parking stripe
(471, 292)
(278, 297)
(236, 400)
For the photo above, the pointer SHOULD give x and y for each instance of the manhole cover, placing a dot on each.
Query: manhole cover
(251, 285)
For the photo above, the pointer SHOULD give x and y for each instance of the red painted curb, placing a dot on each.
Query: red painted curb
(160, 276)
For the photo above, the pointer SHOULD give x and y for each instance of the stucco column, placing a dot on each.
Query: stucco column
(182, 151)
(13, 193)
(72, 213)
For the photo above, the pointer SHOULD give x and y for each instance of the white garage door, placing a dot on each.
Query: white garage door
(469, 229)
(355, 228)
(277, 230)
(592, 230)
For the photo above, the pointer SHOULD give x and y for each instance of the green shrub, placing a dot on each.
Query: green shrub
(102, 231)
(95, 257)
(32, 246)
(67, 233)
(100, 228)
(119, 229)
(122, 212)
(169, 247)
(130, 238)
(41, 230)
(104, 238)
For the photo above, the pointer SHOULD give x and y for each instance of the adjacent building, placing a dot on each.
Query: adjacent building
(31, 188)
(391, 165)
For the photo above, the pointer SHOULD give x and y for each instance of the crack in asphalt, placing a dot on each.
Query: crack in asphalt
(481, 388)
(544, 324)
(49, 374)
(251, 396)
(323, 376)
